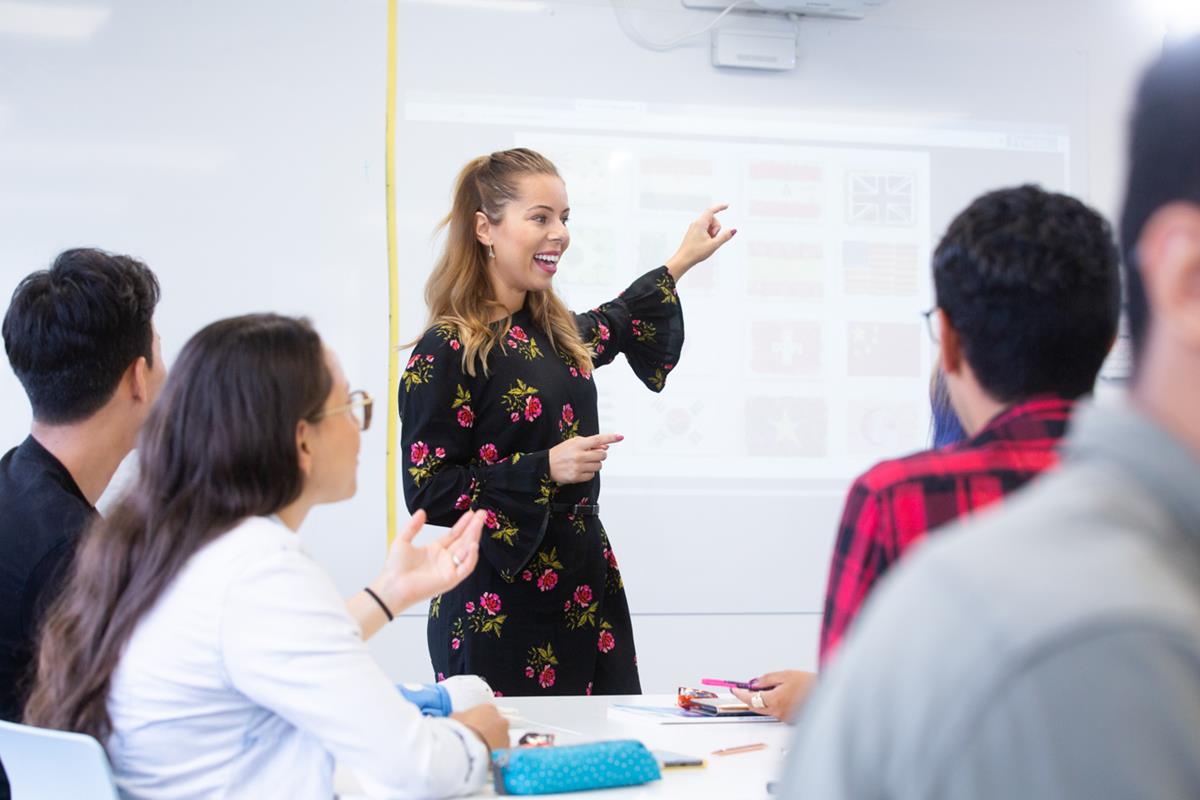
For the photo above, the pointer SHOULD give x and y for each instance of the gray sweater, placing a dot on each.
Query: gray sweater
(1048, 649)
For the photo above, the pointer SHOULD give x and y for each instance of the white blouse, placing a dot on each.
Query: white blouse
(249, 678)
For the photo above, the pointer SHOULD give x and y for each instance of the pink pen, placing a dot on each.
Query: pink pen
(733, 684)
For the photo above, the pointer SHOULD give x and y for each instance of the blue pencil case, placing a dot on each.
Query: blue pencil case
(574, 768)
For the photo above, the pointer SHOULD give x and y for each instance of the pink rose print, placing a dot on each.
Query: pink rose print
(599, 349)
(548, 580)
(574, 372)
(583, 595)
(454, 644)
(526, 575)
(491, 520)
(429, 359)
(498, 694)
(604, 333)
(517, 332)
(488, 453)
(567, 606)
(588, 690)
(546, 679)
(515, 417)
(466, 417)
(529, 672)
(441, 677)
(512, 343)
(418, 453)
(470, 607)
(612, 559)
(490, 603)
(533, 408)
(568, 414)
(413, 360)
(462, 503)
(454, 344)
(606, 642)
(440, 452)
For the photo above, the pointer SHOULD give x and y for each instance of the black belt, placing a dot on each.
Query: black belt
(578, 509)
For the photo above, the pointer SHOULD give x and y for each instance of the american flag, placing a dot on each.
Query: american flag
(880, 268)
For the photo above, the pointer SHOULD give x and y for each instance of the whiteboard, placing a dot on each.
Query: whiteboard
(238, 149)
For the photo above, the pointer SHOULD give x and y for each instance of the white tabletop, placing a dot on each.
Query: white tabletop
(582, 719)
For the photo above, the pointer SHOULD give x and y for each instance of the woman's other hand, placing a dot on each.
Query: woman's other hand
(791, 688)
(412, 574)
(487, 723)
(577, 460)
(703, 238)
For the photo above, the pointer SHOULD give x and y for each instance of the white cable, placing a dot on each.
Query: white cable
(635, 34)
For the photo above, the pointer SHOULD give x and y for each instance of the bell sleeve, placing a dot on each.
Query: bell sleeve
(645, 322)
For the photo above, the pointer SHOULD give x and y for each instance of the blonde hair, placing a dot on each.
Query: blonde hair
(459, 292)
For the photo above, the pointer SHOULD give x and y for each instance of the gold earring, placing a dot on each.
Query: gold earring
(491, 251)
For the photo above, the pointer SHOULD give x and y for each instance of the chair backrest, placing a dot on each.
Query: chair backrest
(45, 763)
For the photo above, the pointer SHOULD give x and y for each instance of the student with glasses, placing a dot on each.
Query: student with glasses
(197, 640)
(1028, 298)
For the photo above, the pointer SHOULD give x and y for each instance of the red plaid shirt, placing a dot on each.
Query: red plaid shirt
(894, 504)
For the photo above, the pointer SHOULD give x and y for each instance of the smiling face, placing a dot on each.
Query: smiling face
(528, 240)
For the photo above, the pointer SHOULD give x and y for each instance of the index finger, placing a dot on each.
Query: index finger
(712, 211)
(603, 439)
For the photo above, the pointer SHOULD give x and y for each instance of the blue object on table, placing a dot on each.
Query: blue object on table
(431, 698)
(596, 765)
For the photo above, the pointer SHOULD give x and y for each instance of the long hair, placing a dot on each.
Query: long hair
(219, 446)
(459, 292)
(945, 428)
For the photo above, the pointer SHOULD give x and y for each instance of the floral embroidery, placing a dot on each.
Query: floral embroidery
(573, 368)
(578, 523)
(520, 341)
(540, 664)
(425, 464)
(644, 331)
(489, 454)
(546, 492)
(486, 617)
(503, 528)
(667, 287)
(581, 609)
(520, 400)
(544, 565)
(658, 380)
(600, 335)
(606, 642)
(568, 426)
(435, 607)
(588, 690)
(418, 371)
(613, 582)
(468, 498)
(462, 404)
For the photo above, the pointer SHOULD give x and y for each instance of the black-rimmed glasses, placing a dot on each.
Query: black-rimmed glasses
(932, 322)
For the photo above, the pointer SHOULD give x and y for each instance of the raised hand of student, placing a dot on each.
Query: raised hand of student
(412, 574)
(577, 460)
(791, 688)
(703, 238)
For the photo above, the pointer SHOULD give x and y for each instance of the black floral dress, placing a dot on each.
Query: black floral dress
(545, 610)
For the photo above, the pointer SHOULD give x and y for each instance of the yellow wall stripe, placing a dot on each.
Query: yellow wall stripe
(393, 406)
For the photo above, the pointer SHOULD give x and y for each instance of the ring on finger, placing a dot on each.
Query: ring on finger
(756, 701)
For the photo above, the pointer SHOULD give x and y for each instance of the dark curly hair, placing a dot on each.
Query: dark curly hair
(1030, 281)
(72, 330)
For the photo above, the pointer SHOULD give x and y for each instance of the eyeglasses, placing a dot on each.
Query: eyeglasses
(931, 324)
(360, 406)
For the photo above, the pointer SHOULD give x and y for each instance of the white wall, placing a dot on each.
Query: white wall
(238, 149)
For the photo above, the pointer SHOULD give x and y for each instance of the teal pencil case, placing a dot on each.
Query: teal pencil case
(574, 768)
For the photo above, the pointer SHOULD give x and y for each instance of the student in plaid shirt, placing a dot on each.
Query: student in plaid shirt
(1028, 300)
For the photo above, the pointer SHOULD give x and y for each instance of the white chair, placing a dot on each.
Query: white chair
(43, 763)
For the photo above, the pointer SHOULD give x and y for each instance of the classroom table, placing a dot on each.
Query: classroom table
(581, 719)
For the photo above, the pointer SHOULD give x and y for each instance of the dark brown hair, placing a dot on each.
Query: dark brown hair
(219, 446)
